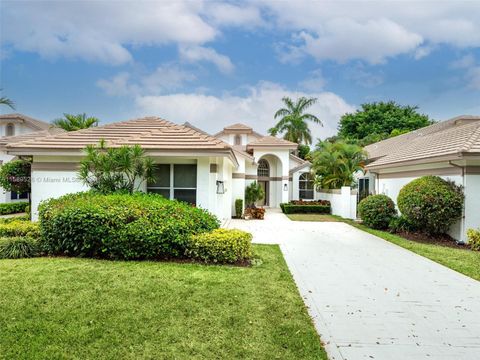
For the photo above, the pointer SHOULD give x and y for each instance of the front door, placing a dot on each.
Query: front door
(264, 186)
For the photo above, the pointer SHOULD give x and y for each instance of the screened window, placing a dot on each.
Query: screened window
(238, 140)
(263, 169)
(18, 196)
(10, 131)
(305, 184)
(176, 181)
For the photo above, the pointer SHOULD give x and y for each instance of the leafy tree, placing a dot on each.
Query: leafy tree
(15, 175)
(334, 164)
(253, 193)
(304, 152)
(293, 120)
(75, 122)
(6, 101)
(109, 170)
(380, 120)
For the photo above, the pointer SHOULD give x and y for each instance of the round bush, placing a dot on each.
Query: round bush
(431, 203)
(120, 226)
(376, 211)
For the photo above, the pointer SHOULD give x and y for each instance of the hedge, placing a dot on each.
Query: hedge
(220, 246)
(377, 211)
(17, 228)
(120, 226)
(305, 209)
(13, 208)
(474, 239)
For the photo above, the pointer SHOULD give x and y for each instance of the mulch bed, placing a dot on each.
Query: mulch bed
(442, 240)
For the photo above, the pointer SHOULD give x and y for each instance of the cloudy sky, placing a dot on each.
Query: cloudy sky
(216, 63)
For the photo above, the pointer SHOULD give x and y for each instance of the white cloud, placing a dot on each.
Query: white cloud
(314, 82)
(471, 68)
(165, 78)
(363, 77)
(232, 15)
(212, 113)
(200, 53)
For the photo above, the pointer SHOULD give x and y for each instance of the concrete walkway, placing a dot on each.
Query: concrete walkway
(371, 299)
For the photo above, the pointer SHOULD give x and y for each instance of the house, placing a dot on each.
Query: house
(449, 149)
(16, 128)
(208, 171)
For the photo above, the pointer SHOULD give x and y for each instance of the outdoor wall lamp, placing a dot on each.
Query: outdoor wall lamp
(285, 187)
(220, 187)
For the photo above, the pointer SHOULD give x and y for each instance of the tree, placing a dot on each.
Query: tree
(335, 164)
(253, 193)
(380, 120)
(15, 175)
(6, 101)
(109, 170)
(75, 122)
(304, 152)
(293, 123)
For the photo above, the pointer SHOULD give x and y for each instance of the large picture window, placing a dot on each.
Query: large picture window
(176, 181)
(305, 184)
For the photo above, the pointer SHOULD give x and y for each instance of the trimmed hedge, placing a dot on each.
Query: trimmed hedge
(220, 246)
(120, 226)
(18, 247)
(17, 228)
(305, 209)
(431, 203)
(377, 211)
(13, 208)
(474, 239)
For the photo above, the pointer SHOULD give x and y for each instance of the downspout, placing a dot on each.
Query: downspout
(462, 229)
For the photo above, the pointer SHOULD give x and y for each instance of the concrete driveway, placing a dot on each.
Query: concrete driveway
(371, 299)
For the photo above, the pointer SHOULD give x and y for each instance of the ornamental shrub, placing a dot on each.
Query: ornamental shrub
(120, 226)
(18, 247)
(220, 246)
(238, 208)
(473, 236)
(431, 203)
(306, 209)
(13, 208)
(376, 211)
(401, 224)
(17, 228)
(15, 175)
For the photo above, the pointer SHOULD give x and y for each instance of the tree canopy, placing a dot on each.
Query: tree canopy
(15, 175)
(71, 122)
(380, 120)
(293, 122)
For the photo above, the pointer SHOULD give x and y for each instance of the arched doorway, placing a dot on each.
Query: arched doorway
(263, 174)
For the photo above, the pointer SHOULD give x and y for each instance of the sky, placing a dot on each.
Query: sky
(217, 63)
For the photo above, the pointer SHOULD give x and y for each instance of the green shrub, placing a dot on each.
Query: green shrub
(13, 208)
(305, 209)
(18, 247)
(220, 246)
(474, 239)
(431, 203)
(401, 224)
(120, 226)
(376, 211)
(238, 208)
(16, 228)
(8, 220)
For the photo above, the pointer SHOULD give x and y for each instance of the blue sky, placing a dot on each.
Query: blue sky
(216, 63)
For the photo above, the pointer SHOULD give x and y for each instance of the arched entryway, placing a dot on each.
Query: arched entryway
(269, 177)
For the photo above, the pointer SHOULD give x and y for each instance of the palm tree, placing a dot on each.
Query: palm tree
(71, 122)
(293, 123)
(6, 101)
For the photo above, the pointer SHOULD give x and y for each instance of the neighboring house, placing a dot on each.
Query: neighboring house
(449, 149)
(15, 128)
(208, 171)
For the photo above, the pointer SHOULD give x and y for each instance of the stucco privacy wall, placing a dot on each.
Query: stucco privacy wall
(472, 201)
(343, 201)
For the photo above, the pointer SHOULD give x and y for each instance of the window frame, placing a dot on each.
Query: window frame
(306, 190)
(171, 188)
(10, 126)
(266, 168)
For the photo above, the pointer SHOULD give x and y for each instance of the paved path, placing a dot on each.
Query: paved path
(371, 299)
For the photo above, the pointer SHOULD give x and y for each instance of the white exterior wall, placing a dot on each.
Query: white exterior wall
(343, 201)
(472, 201)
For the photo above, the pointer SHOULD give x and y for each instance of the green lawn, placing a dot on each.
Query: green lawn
(313, 217)
(462, 260)
(58, 308)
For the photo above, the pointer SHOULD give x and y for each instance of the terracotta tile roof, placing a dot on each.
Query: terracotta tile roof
(237, 126)
(152, 133)
(6, 140)
(272, 141)
(36, 124)
(453, 137)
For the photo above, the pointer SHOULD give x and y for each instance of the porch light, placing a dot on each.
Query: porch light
(220, 187)
(285, 187)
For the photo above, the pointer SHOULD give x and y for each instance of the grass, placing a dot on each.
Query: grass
(313, 217)
(58, 308)
(464, 261)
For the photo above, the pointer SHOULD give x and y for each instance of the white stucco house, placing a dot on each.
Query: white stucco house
(210, 171)
(449, 149)
(16, 128)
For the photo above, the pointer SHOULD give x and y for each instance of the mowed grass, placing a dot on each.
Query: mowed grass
(63, 308)
(313, 217)
(464, 261)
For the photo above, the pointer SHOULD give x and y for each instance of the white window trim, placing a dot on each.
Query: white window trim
(172, 187)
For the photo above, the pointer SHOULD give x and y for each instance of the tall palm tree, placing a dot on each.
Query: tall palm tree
(71, 122)
(293, 123)
(6, 101)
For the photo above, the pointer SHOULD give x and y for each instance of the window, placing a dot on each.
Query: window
(16, 196)
(10, 130)
(263, 169)
(305, 184)
(176, 181)
(238, 140)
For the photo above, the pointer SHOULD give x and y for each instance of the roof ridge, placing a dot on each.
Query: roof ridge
(471, 140)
